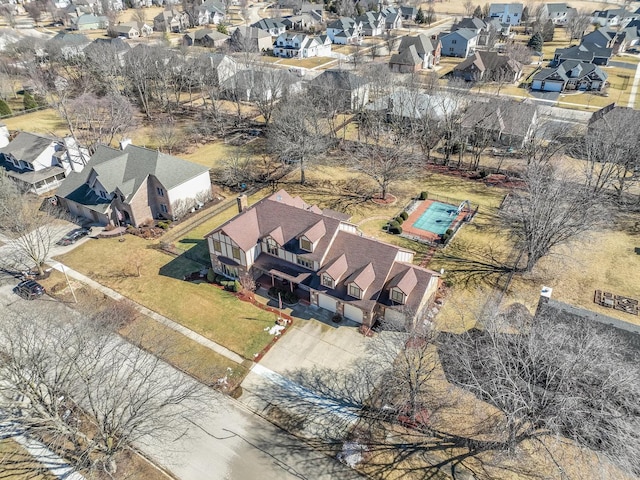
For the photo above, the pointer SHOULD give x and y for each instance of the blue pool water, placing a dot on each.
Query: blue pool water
(437, 218)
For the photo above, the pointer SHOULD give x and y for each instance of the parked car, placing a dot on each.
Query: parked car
(73, 236)
(29, 289)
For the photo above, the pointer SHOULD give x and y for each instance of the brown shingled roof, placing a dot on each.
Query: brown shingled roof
(316, 232)
(337, 268)
(405, 281)
(363, 277)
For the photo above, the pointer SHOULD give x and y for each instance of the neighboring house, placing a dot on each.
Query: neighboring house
(39, 163)
(570, 75)
(460, 43)
(205, 38)
(250, 39)
(134, 186)
(171, 20)
(68, 45)
(629, 36)
(471, 23)
(298, 22)
(506, 123)
(610, 18)
(210, 12)
(604, 37)
(113, 47)
(4, 135)
(257, 85)
(583, 53)
(127, 30)
(372, 24)
(271, 25)
(406, 61)
(314, 10)
(427, 49)
(221, 67)
(488, 67)
(323, 257)
(392, 18)
(350, 90)
(89, 21)
(299, 45)
(345, 31)
(510, 13)
(409, 105)
(558, 13)
(408, 13)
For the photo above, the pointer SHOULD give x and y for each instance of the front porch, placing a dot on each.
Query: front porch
(266, 281)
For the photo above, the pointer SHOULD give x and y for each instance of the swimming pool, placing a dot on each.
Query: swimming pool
(437, 218)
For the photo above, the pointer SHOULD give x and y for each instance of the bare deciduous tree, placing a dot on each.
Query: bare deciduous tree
(298, 134)
(577, 24)
(86, 392)
(553, 209)
(551, 376)
(99, 120)
(468, 7)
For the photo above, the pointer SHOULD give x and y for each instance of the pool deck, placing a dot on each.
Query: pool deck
(409, 229)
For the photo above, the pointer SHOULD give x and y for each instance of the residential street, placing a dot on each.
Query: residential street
(226, 441)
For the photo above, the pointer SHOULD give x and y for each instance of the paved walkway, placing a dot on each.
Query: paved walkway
(216, 347)
(56, 465)
(634, 88)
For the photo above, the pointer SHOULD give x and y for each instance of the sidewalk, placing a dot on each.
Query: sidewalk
(196, 337)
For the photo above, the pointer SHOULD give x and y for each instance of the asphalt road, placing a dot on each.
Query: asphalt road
(225, 441)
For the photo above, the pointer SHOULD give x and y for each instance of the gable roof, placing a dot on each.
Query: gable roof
(71, 39)
(506, 117)
(251, 32)
(268, 24)
(571, 69)
(466, 33)
(600, 37)
(408, 56)
(583, 52)
(127, 169)
(413, 105)
(117, 44)
(557, 7)
(484, 60)
(472, 23)
(342, 23)
(421, 42)
(27, 146)
(338, 79)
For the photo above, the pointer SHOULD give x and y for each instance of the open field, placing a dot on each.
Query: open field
(211, 312)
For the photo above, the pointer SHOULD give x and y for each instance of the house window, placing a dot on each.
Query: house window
(103, 194)
(305, 244)
(217, 247)
(272, 246)
(160, 191)
(230, 271)
(305, 263)
(451, 49)
(454, 42)
(355, 291)
(397, 296)
(235, 252)
(164, 208)
(327, 281)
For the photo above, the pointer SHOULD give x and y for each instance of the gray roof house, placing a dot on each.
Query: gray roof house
(510, 13)
(570, 75)
(488, 67)
(604, 37)
(507, 123)
(350, 90)
(134, 186)
(39, 163)
(205, 38)
(611, 17)
(587, 53)
(459, 43)
(426, 49)
(90, 22)
(403, 104)
(250, 39)
(323, 258)
(558, 13)
(271, 25)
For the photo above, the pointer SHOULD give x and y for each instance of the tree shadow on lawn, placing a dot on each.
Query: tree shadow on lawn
(179, 267)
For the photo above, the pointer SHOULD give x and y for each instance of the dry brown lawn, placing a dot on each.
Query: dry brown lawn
(17, 464)
(456, 7)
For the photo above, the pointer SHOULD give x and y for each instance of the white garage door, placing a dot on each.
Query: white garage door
(353, 313)
(326, 302)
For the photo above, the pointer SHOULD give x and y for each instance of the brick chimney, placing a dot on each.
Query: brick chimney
(243, 203)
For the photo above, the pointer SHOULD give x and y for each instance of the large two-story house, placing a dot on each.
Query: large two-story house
(324, 257)
(134, 185)
(300, 45)
(345, 30)
(39, 163)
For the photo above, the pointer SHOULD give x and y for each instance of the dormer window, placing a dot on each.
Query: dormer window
(272, 246)
(355, 291)
(327, 281)
(305, 244)
(397, 296)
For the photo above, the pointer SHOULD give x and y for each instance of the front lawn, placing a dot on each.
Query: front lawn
(18, 464)
(211, 312)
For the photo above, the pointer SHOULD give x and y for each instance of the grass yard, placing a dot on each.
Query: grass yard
(44, 121)
(306, 62)
(211, 312)
(17, 464)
